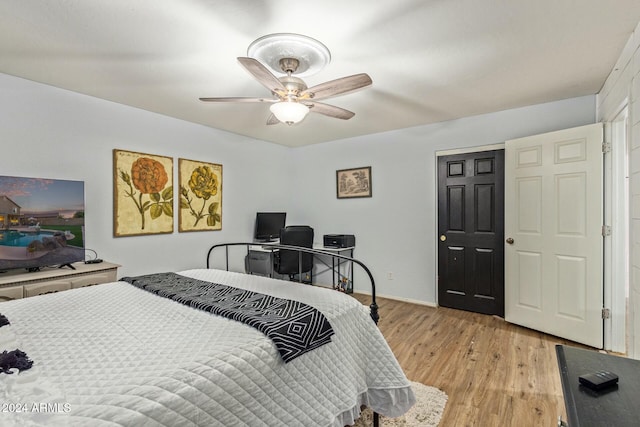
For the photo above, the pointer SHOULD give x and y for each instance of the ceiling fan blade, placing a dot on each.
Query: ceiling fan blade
(330, 110)
(238, 99)
(263, 75)
(336, 87)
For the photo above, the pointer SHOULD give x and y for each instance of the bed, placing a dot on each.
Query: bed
(121, 355)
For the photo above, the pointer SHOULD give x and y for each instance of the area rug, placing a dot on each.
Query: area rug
(426, 412)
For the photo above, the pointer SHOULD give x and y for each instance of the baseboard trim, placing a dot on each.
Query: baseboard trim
(408, 300)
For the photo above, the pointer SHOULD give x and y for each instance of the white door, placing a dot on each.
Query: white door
(553, 233)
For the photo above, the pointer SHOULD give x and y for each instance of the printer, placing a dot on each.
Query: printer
(339, 240)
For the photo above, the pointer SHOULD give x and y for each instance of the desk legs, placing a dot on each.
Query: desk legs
(344, 282)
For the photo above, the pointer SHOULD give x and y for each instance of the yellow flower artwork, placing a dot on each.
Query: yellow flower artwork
(200, 196)
(142, 194)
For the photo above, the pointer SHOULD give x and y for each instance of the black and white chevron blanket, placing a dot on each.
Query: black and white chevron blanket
(294, 327)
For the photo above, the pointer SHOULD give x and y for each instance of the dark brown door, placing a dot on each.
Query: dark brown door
(471, 232)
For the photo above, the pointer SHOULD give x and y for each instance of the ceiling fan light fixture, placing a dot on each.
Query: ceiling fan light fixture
(289, 112)
(294, 55)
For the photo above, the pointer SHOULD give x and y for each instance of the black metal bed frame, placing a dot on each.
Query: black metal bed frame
(373, 307)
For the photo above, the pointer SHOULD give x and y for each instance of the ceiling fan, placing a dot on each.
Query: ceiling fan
(292, 55)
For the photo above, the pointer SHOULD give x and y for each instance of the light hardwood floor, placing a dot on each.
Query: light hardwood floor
(494, 373)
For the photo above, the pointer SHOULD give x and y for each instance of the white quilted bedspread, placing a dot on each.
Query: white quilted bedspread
(116, 355)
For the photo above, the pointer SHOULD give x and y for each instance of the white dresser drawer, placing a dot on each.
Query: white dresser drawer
(46, 288)
(94, 279)
(10, 292)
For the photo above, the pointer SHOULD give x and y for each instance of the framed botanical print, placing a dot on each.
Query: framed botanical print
(354, 182)
(142, 194)
(200, 196)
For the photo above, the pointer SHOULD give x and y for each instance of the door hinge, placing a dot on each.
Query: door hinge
(606, 313)
(606, 230)
(606, 147)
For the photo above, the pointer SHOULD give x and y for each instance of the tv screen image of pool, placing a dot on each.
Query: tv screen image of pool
(41, 222)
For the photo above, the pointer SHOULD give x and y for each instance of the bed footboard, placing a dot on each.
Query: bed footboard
(373, 307)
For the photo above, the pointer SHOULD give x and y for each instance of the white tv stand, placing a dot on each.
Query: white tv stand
(16, 284)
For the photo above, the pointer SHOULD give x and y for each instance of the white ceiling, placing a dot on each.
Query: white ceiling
(430, 60)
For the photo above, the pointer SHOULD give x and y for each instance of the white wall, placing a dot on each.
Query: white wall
(623, 87)
(396, 229)
(52, 133)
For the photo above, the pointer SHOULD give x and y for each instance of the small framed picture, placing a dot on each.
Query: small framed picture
(354, 182)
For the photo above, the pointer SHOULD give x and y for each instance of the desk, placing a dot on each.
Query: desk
(344, 282)
(260, 261)
(617, 406)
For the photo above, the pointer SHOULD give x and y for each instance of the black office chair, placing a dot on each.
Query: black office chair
(291, 262)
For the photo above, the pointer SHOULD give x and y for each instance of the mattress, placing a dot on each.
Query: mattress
(114, 354)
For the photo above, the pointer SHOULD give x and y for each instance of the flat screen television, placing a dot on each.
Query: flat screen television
(268, 225)
(41, 223)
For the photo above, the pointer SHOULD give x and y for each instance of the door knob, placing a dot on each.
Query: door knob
(510, 241)
(443, 238)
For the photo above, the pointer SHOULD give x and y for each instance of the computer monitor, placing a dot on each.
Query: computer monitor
(268, 225)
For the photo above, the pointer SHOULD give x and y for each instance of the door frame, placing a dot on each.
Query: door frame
(616, 245)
